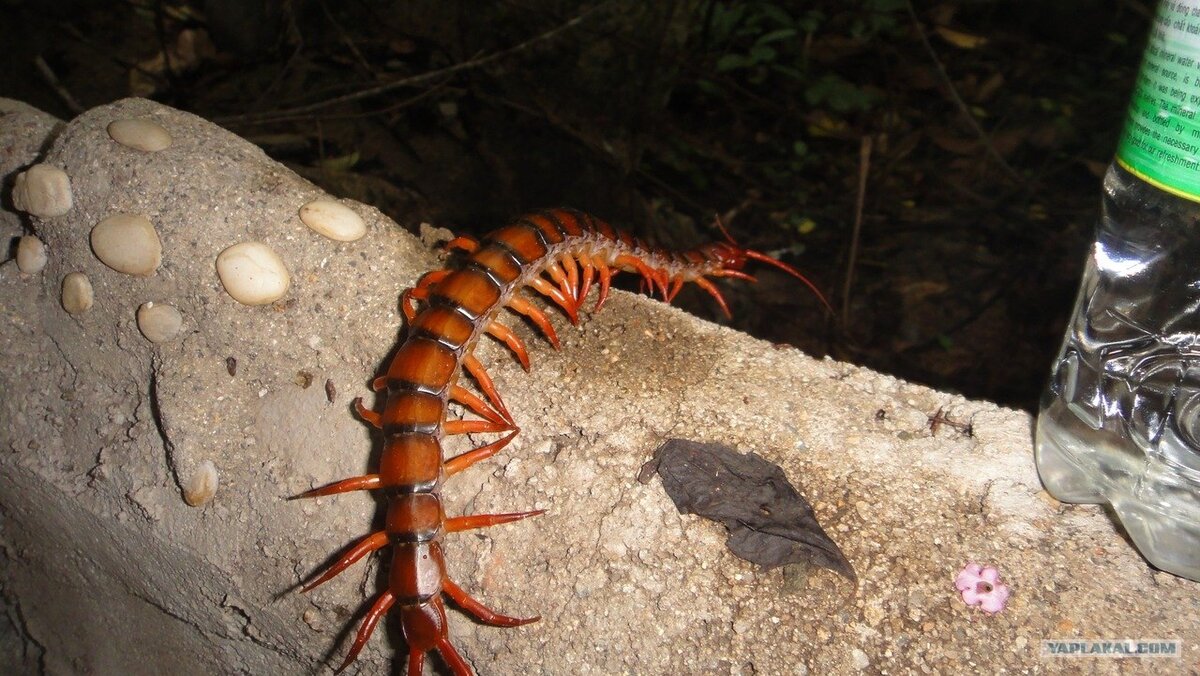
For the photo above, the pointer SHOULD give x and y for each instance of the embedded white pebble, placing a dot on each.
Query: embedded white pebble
(31, 255)
(77, 294)
(203, 485)
(128, 243)
(139, 134)
(333, 220)
(42, 190)
(253, 273)
(159, 322)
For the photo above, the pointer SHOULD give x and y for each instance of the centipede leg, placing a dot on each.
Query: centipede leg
(485, 614)
(560, 277)
(378, 609)
(420, 292)
(676, 285)
(568, 263)
(712, 290)
(458, 665)
(606, 275)
(416, 663)
(359, 483)
(451, 427)
(462, 243)
(468, 398)
(555, 294)
(372, 418)
(461, 523)
(460, 462)
(586, 276)
(510, 339)
(534, 313)
(360, 549)
(471, 363)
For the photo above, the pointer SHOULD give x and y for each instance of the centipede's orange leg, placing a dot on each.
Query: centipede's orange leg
(474, 426)
(510, 339)
(378, 610)
(560, 277)
(367, 482)
(458, 666)
(360, 549)
(461, 523)
(712, 290)
(420, 292)
(468, 398)
(606, 275)
(471, 363)
(485, 614)
(555, 294)
(586, 276)
(648, 273)
(676, 285)
(460, 462)
(462, 243)
(372, 418)
(521, 305)
(568, 263)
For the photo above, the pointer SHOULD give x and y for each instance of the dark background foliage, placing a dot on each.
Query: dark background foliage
(934, 168)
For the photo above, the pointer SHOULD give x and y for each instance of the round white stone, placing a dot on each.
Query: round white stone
(202, 486)
(333, 220)
(127, 243)
(139, 134)
(77, 294)
(253, 273)
(42, 190)
(31, 255)
(159, 322)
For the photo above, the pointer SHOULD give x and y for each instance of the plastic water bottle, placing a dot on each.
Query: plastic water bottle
(1120, 420)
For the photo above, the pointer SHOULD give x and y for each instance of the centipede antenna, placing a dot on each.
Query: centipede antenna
(728, 237)
(759, 256)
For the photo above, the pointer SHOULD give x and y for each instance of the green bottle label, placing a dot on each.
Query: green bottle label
(1161, 141)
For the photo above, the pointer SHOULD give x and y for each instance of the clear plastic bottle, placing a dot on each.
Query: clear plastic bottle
(1120, 420)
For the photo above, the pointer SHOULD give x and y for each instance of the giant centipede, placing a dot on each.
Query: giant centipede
(560, 254)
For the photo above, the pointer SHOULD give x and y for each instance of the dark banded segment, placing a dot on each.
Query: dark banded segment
(411, 463)
(523, 239)
(571, 223)
(443, 324)
(547, 226)
(415, 518)
(413, 412)
(416, 572)
(425, 363)
(499, 259)
(469, 290)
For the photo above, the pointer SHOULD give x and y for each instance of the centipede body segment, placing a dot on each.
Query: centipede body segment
(560, 254)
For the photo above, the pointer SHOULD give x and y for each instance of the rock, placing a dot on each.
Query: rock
(253, 273)
(333, 220)
(203, 485)
(140, 134)
(159, 322)
(77, 294)
(127, 243)
(31, 255)
(42, 190)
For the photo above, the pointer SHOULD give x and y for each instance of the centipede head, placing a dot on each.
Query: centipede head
(732, 258)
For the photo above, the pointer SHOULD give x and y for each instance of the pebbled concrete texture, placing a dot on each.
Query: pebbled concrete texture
(104, 568)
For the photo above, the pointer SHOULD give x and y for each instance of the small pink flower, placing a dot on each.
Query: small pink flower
(981, 587)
